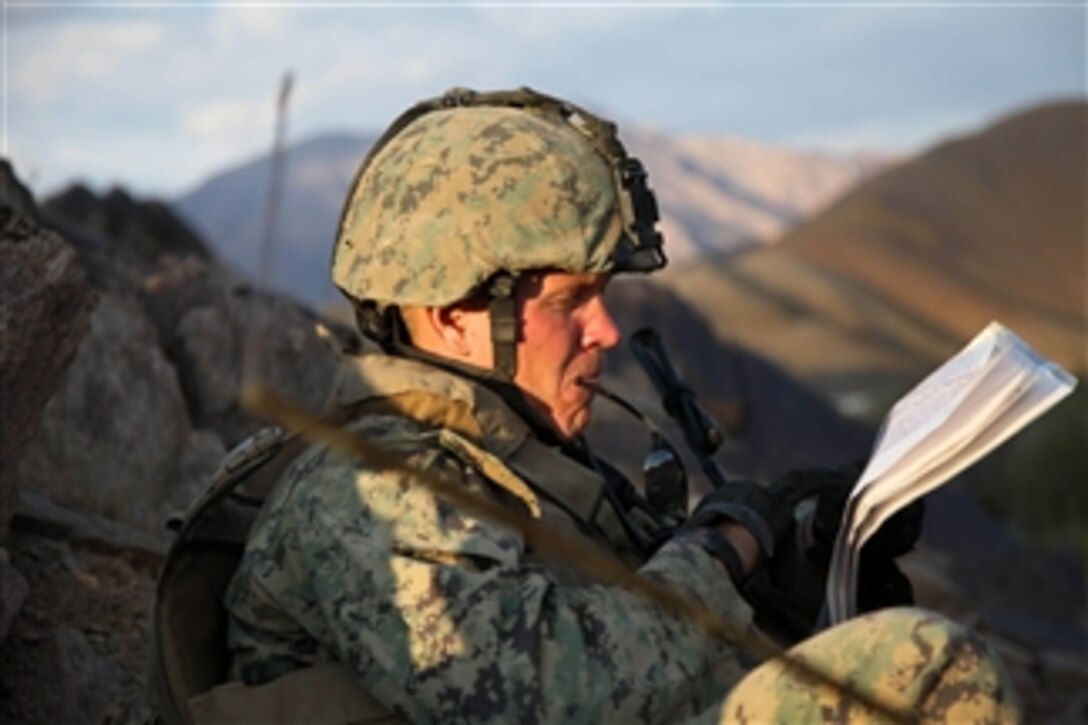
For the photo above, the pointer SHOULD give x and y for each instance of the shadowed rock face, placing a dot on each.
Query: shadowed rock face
(145, 229)
(45, 306)
(150, 404)
(112, 434)
(114, 416)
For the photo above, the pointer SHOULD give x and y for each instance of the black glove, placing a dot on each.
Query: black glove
(880, 582)
(749, 504)
(788, 593)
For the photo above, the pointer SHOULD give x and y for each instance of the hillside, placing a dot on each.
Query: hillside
(720, 193)
(229, 211)
(717, 194)
(910, 264)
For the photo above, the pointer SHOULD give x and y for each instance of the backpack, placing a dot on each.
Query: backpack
(189, 630)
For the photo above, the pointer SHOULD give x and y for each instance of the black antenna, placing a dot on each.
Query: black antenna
(701, 433)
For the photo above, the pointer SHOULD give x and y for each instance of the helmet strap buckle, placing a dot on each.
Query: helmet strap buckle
(504, 324)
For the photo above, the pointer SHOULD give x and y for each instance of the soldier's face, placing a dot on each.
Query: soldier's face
(565, 330)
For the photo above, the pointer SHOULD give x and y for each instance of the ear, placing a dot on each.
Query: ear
(451, 327)
(463, 331)
(459, 332)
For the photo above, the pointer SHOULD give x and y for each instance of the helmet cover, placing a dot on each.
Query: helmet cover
(461, 193)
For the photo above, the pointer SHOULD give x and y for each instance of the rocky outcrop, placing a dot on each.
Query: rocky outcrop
(77, 651)
(150, 403)
(114, 417)
(242, 336)
(112, 434)
(13, 592)
(45, 306)
(146, 230)
(205, 316)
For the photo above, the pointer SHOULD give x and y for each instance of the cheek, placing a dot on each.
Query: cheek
(547, 358)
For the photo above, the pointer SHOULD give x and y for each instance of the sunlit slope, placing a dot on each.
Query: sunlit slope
(900, 272)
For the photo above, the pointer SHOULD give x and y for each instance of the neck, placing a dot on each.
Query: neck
(496, 383)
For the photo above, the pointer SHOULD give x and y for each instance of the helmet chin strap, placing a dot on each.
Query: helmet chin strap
(500, 379)
(504, 325)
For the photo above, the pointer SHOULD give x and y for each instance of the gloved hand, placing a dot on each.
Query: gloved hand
(880, 583)
(788, 593)
(766, 516)
(748, 504)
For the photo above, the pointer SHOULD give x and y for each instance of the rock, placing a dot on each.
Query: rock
(286, 353)
(146, 229)
(36, 513)
(201, 455)
(178, 285)
(203, 314)
(112, 434)
(120, 242)
(78, 650)
(13, 195)
(45, 306)
(89, 683)
(13, 592)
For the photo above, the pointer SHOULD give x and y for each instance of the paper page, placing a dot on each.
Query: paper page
(842, 596)
(998, 392)
(971, 404)
(1041, 396)
(930, 439)
(930, 403)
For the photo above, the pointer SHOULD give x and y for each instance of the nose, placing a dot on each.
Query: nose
(600, 329)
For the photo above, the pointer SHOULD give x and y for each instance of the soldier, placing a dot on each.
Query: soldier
(475, 245)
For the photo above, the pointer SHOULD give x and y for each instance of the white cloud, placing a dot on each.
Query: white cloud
(238, 24)
(194, 88)
(538, 25)
(50, 63)
(230, 119)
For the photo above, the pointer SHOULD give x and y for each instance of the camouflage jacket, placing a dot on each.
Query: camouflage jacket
(443, 616)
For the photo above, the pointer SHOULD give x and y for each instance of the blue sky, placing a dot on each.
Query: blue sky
(158, 95)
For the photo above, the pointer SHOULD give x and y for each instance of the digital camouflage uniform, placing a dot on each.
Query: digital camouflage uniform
(442, 614)
(444, 617)
(439, 616)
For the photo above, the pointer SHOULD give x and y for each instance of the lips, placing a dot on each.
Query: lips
(592, 375)
(588, 381)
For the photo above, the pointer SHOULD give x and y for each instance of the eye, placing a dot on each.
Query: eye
(572, 299)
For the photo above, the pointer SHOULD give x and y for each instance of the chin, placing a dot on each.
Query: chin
(578, 424)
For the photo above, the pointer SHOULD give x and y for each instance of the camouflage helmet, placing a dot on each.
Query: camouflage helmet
(470, 185)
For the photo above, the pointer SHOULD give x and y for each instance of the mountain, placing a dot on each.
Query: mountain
(229, 210)
(901, 271)
(720, 193)
(717, 194)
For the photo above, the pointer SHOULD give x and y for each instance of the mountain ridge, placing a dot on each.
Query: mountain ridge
(905, 267)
